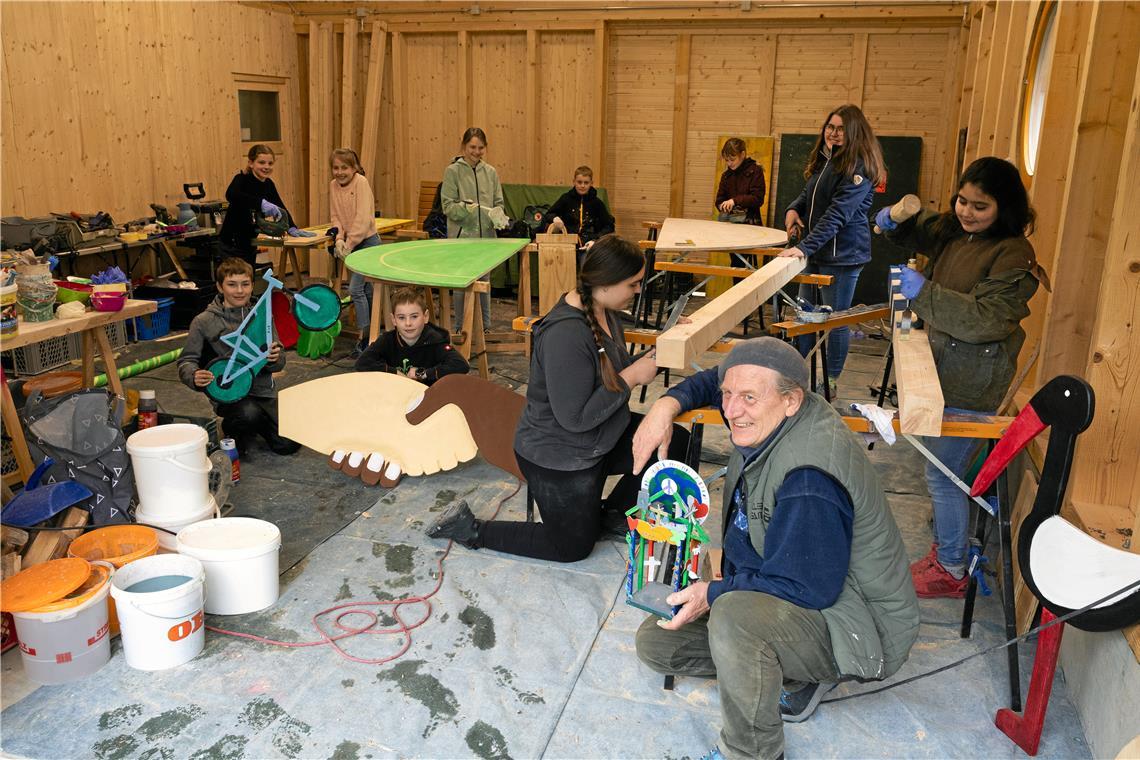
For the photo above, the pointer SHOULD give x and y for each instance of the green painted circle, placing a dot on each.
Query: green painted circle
(227, 394)
(328, 308)
(450, 263)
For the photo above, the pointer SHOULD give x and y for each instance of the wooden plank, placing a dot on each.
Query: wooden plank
(968, 95)
(1012, 74)
(995, 60)
(10, 564)
(373, 92)
(600, 88)
(533, 107)
(981, 82)
(52, 544)
(348, 85)
(858, 69)
(557, 265)
(766, 81)
(1094, 166)
(680, 346)
(680, 124)
(405, 202)
(466, 86)
(736, 273)
(920, 394)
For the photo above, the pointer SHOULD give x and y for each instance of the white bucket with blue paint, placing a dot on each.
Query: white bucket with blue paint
(160, 601)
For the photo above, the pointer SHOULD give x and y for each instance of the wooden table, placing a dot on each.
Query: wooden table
(289, 245)
(454, 263)
(115, 246)
(92, 328)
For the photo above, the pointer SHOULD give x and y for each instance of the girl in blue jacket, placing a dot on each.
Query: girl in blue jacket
(830, 217)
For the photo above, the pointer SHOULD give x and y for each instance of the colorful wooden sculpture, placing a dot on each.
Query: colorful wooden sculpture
(665, 536)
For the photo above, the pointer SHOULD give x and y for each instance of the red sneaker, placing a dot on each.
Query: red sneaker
(930, 557)
(933, 582)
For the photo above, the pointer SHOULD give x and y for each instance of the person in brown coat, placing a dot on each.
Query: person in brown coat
(741, 191)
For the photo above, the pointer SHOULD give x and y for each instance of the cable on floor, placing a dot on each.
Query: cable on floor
(370, 618)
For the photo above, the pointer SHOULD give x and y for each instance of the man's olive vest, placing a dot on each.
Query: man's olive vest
(875, 620)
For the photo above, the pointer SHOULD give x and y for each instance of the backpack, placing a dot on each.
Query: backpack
(532, 218)
(435, 223)
(81, 433)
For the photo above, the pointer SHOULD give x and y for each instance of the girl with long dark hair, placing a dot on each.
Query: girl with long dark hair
(830, 217)
(576, 428)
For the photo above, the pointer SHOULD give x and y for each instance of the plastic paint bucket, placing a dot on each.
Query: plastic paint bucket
(67, 639)
(166, 541)
(240, 556)
(166, 627)
(119, 545)
(171, 469)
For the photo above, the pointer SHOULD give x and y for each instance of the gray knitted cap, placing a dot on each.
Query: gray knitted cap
(769, 352)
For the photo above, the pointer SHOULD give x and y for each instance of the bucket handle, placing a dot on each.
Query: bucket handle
(188, 468)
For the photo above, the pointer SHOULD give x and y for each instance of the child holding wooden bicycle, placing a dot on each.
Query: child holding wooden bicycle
(256, 413)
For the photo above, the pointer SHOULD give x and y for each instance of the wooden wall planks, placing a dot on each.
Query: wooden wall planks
(137, 105)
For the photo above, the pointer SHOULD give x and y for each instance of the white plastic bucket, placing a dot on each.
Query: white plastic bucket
(240, 557)
(66, 645)
(171, 469)
(167, 542)
(161, 629)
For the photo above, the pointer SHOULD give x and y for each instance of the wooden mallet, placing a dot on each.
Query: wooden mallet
(904, 209)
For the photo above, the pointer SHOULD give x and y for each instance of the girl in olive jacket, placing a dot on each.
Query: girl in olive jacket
(972, 296)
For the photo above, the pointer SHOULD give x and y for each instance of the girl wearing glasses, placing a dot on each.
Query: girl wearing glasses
(830, 217)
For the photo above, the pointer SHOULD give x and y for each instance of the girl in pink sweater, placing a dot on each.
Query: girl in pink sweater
(352, 208)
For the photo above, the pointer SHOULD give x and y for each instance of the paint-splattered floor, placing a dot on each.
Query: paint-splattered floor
(516, 658)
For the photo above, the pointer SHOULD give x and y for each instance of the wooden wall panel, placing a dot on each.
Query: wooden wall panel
(903, 94)
(639, 128)
(140, 106)
(727, 95)
(498, 84)
(430, 110)
(567, 98)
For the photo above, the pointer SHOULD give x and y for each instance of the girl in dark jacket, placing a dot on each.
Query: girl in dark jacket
(972, 296)
(251, 192)
(830, 217)
(576, 428)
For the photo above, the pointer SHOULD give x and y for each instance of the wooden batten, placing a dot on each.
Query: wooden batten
(373, 92)
(680, 124)
(679, 347)
(348, 87)
(920, 393)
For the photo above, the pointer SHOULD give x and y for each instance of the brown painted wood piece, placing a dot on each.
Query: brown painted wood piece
(492, 412)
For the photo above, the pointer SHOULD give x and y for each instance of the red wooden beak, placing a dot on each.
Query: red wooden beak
(1024, 429)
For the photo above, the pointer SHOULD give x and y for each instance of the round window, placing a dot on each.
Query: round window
(1036, 85)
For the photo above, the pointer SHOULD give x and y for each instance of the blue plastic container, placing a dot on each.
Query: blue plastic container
(151, 326)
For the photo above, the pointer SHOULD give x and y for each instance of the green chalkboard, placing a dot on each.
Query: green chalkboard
(902, 156)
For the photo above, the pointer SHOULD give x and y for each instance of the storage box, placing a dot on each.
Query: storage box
(45, 355)
(151, 326)
(188, 303)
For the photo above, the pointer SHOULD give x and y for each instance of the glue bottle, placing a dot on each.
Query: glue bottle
(148, 410)
(229, 445)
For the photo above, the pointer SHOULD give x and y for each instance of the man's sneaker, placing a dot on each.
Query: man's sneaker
(458, 523)
(797, 706)
(934, 582)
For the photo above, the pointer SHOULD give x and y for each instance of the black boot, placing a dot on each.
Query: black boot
(458, 523)
(279, 444)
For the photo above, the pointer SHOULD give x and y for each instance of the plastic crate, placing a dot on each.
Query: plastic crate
(151, 326)
(46, 354)
(117, 334)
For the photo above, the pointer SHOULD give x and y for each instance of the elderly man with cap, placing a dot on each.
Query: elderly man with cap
(816, 587)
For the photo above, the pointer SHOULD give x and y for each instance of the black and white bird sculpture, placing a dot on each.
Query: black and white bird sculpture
(1062, 565)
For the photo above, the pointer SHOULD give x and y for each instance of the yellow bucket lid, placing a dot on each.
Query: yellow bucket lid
(43, 584)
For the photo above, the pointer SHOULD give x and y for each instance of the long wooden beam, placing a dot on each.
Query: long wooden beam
(679, 347)
(920, 393)
(373, 92)
(348, 86)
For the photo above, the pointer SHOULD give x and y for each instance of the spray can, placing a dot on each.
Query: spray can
(229, 445)
(148, 410)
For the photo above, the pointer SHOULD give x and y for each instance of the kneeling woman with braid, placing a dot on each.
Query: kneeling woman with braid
(576, 428)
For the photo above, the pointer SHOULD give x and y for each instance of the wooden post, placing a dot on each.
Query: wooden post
(600, 88)
(348, 85)
(374, 90)
(981, 81)
(920, 393)
(858, 69)
(466, 83)
(533, 168)
(680, 125)
(406, 200)
(320, 130)
(1012, 75)
(995, 60)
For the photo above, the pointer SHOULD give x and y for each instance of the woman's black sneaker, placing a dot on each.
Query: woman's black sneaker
(458, 523)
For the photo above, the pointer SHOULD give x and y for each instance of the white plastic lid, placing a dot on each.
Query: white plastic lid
(146, 394)
(165, 520)
(167, 439)
(229, 538)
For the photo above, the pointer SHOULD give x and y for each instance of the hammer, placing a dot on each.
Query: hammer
(904, 209)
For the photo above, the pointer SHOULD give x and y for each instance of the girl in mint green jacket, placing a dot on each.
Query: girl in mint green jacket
(470, 190)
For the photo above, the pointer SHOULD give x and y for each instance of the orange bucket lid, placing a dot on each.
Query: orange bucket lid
(117, 544)
(43, 584)
(100, 575)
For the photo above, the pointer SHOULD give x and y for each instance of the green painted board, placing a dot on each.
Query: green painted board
(450, 263)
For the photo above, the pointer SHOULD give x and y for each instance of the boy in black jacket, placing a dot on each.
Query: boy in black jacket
(579, 211)
(415, 348)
